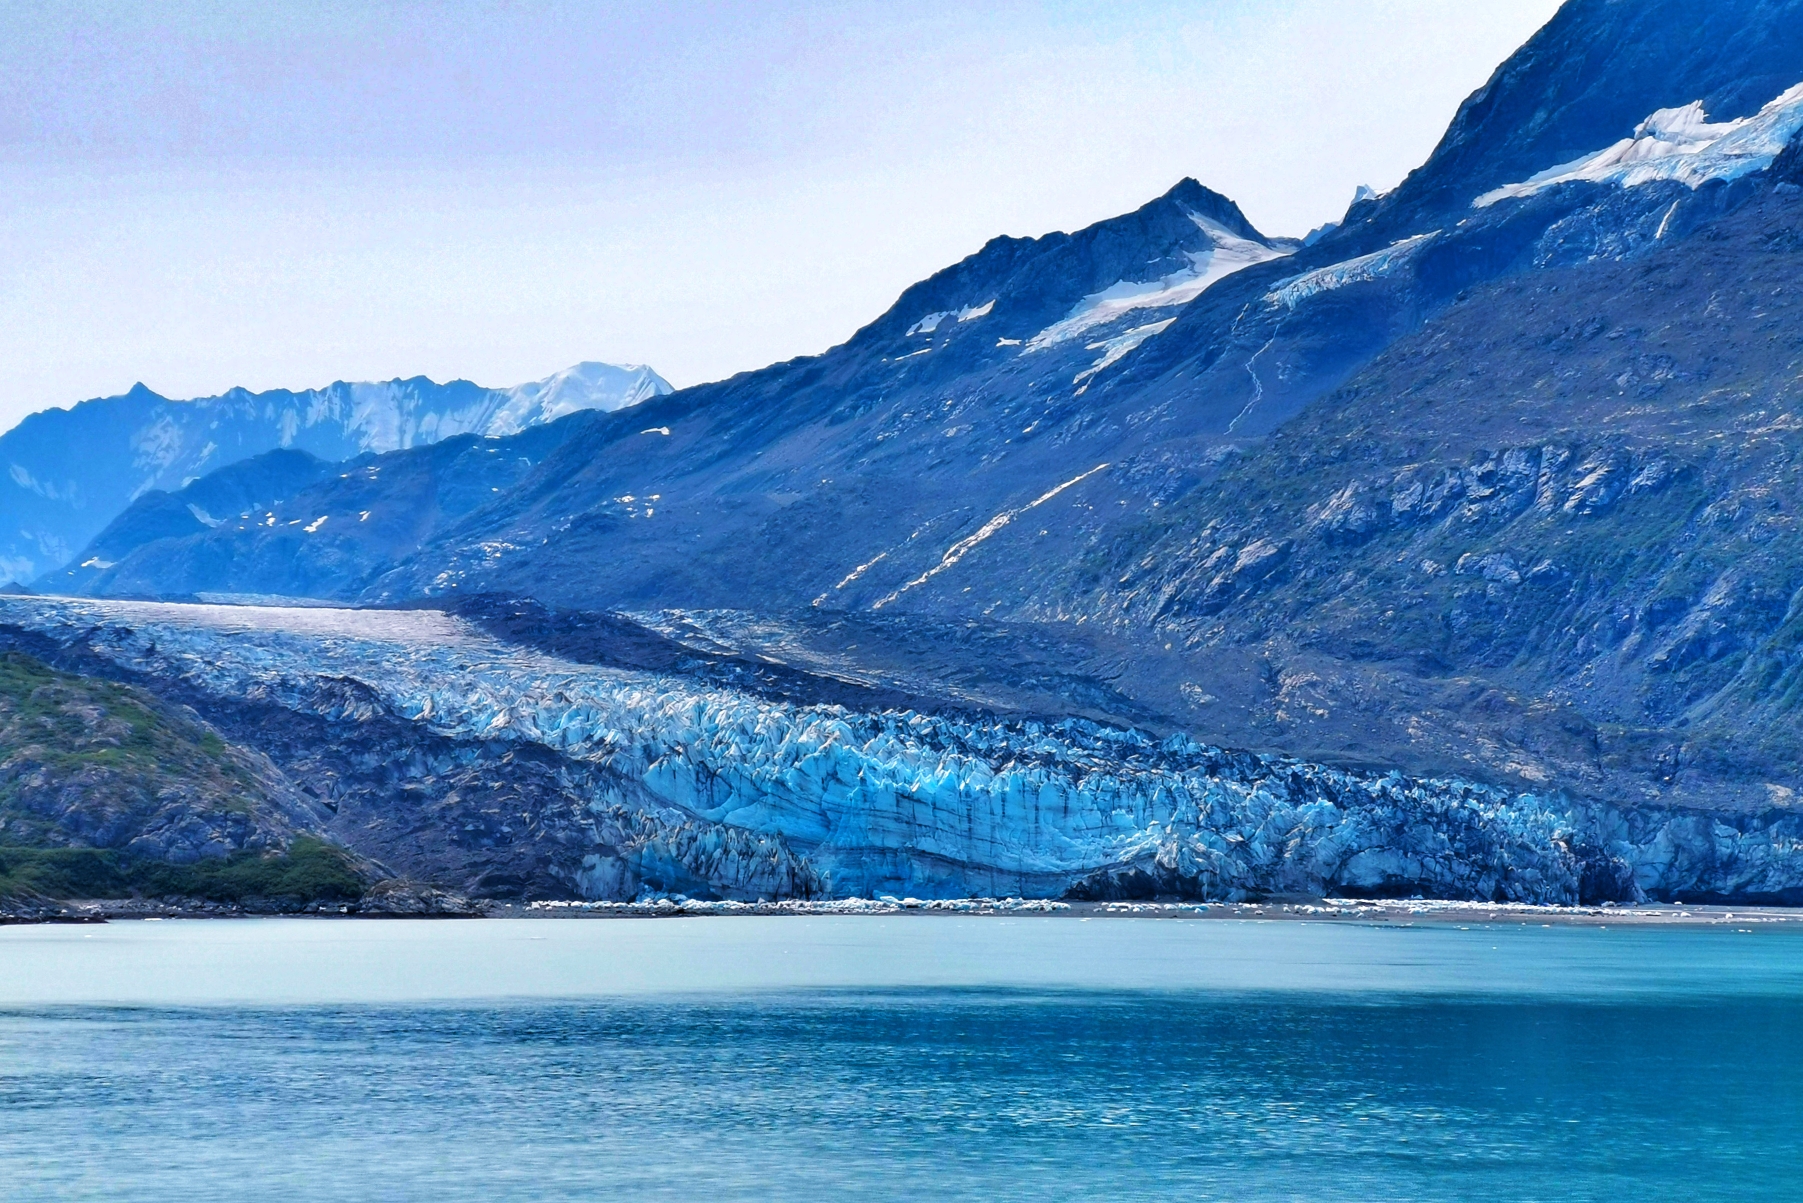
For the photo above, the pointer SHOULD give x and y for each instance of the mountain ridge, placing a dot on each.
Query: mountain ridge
(71, 471)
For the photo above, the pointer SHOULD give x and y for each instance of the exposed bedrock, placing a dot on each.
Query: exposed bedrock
(492, 767)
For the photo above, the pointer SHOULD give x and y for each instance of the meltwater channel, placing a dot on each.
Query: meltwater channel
(898, 1059)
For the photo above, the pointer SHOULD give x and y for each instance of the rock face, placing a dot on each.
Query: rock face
(70, 472)
(499, 768)
(96, 764)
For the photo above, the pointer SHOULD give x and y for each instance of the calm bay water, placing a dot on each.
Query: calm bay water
(906, 1058)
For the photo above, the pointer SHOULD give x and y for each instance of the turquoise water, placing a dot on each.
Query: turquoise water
(908, 1058)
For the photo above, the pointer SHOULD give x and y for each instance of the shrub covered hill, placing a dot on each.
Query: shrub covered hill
(111, 792)
(108, 792)
(1498, 478)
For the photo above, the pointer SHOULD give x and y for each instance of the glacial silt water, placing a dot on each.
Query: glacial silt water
(904, 1058)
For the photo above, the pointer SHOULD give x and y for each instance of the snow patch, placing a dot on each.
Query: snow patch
(933, 321)
(1679, 144)
(1227, 254)
(1297, 289)
(964, 547)
(1117, 348)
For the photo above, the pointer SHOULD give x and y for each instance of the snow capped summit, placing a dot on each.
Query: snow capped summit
(1091, 297)
(588, 385)
(68, 472)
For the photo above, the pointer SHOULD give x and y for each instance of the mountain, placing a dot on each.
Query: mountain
(599, 386)
(1494, 481)
(1598, 69)
(69, 472)
(876, 434)
(282, 522)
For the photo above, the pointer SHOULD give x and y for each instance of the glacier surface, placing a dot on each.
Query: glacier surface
(1227, 253)
(859, 804)
(1375, 266)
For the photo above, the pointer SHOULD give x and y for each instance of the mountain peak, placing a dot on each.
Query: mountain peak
(1200, 200)
(587, 385)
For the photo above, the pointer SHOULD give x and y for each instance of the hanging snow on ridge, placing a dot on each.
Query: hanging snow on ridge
(933, 321)
(603, 386)
(1228, 254)
(1679, 144)
(1375, 266)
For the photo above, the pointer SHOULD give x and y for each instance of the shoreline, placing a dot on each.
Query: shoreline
(1382, 912)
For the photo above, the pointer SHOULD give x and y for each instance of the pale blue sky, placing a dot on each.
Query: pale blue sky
(208, 194)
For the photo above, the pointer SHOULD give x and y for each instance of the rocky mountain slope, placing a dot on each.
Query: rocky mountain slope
(69, 472)
(281, 522)
(1491, 483)
(95, 764)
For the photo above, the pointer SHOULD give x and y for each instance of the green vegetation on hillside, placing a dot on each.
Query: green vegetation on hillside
(108, 792)
(310, 871)
(63, 722)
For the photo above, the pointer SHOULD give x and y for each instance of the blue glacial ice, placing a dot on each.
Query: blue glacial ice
(906, 803)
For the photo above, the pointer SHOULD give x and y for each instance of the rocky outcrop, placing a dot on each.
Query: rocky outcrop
(87, 763)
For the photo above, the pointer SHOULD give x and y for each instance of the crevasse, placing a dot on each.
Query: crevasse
(939, 806)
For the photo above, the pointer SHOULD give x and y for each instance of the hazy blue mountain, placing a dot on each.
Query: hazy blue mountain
(240, 530)
(1496, 477)
(69, 472)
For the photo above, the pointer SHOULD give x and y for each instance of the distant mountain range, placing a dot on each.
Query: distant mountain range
(68, 472)
(1500, 478)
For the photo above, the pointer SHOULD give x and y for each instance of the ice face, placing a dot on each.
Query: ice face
(1375, 266)
(932, 806)
(1679, 144)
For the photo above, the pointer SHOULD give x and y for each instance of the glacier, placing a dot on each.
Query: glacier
(1375, 266)
(719, 792)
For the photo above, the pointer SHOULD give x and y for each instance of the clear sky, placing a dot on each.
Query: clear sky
(204, 193)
